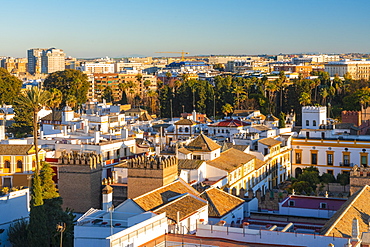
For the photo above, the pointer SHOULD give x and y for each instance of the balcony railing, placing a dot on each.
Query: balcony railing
(346, 164)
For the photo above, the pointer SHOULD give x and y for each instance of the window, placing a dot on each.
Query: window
(298, 157)
(363, 159)
(330, 172)
(186, 129)
(291, 203)
(323, 135)
(19, 164)
(329, 159)
(265, 150)
(307, 134)
(197, 157)
(307, 123)
(346, 158)
(7, 164)
(314, 123)
(314, 158)
(323, 205)
(180, 129)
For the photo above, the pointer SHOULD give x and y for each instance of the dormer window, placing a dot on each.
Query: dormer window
(291, 203)
(323, 205)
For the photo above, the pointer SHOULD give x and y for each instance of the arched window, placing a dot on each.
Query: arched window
(19, 164)
(186, 129)
(180, 129)
(7, 164)
(314, 123)
(307, 123)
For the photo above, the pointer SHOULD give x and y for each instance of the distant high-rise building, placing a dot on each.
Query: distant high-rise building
(34, 60)
(45, 60)
(52, 60)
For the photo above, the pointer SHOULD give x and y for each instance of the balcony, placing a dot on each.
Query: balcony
(346, 164)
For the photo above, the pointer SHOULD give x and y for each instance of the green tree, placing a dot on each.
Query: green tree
(305, 99)
(55, 100)
(34, 100)
(17, 233)
(10, 87)
(108, 94)
(227, 109)
(327, 178)
(343, 178)
(300, 186)
(37, 227)
(282, 120)
(47, 184)
(71, 83)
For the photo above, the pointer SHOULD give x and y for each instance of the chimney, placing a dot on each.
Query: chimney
(96, 137)
(194, 113)
(107, 197)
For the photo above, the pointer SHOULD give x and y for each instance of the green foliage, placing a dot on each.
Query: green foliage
(301, 186)
(17, 233)
(307, 181)
(71, 83)
(37, 230)
(327, 178)
(36, 191)
(46, 212)
(282, 120)
(10, 86)
(343, 178)
(47, 184)
(108, 94)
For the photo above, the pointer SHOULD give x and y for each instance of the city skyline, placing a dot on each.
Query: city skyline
(123, 28)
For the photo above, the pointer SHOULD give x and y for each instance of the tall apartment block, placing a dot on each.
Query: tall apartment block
(34, 60)
(45, 60)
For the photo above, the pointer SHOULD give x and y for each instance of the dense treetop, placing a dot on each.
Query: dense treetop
(73, 84)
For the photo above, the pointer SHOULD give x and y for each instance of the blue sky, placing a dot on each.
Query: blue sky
(92, 28)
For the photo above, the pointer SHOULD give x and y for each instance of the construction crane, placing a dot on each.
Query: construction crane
(181, 52)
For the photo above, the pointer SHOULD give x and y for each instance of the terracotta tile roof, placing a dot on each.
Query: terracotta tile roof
(16, 149)
(261, 127)
(145, 117)
(57, 116)
(202, 143)
(357, 206)
(186, 205)
(136, 110)
(220, 202)
(184, 151)
(189, 164)
(160, 196)
(258, 164)
(231, 159)
(230, 123)
(185, 121)
(269, 142)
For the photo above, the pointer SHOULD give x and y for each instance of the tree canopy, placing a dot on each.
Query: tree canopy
(10, 86)
(72, 83)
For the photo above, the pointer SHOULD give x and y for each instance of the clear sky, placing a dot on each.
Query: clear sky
(115, 28)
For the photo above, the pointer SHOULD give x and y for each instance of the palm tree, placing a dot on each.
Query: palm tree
(227, 109)
(56, 98)
(239, 91)
(151, 94)
(305, 99)
(34, 100)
